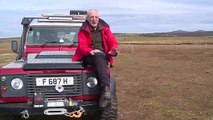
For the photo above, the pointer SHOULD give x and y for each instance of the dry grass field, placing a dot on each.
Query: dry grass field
(166, 40)
(167, 81)
(6, 54)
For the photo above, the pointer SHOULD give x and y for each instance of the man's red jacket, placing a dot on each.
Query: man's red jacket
(85, 41)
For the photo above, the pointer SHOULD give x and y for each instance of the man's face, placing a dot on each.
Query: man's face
(93, 19)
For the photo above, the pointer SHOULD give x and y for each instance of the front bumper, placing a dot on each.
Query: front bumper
(90, 107)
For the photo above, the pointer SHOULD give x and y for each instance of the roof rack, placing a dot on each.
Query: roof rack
(75, 16)
(62, 17)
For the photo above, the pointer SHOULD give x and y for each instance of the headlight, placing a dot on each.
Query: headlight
(17, 83)
(92, 82)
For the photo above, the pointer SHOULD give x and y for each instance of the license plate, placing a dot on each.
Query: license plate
(55, 104)
(52, 81)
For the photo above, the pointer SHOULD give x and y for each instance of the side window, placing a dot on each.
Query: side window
(30, 37)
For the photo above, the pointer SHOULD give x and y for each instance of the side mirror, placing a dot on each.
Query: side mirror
(14, 46)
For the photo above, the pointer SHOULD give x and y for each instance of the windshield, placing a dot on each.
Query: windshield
(59, 35)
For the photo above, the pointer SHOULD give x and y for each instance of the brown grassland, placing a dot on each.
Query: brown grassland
(159, 78)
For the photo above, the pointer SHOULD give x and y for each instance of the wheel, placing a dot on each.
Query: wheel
(110, 112)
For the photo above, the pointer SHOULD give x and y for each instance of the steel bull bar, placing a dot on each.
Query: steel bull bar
(28, 110)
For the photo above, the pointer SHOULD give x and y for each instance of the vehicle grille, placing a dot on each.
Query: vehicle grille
(49, 91)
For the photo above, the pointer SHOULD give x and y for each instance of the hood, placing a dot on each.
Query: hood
(51, 60)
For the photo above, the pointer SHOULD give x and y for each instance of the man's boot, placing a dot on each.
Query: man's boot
(105, 97)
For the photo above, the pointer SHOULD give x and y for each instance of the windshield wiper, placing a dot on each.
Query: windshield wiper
(73, 43)
(53, 42)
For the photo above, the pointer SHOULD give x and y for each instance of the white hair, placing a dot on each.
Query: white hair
(92, 10)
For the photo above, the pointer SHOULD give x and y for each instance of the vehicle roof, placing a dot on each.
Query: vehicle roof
(55, 24)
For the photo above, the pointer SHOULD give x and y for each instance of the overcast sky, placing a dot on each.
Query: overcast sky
(124, 16)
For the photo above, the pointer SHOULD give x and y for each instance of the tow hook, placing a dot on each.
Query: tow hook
(76, 113)
(25, 114)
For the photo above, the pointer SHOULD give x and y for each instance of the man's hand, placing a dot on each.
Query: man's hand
(114, 52)
(92, 52)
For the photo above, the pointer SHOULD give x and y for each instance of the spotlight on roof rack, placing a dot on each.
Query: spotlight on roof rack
(78, 12)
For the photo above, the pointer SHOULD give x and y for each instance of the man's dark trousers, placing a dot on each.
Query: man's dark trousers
(99, 61)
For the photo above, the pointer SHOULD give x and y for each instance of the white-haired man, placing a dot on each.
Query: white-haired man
(97, 46)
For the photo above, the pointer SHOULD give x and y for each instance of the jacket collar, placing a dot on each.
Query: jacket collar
(86, 27)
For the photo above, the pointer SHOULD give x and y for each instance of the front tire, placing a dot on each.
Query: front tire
(110, 112)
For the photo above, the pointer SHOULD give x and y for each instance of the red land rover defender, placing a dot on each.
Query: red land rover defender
(43, 80)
